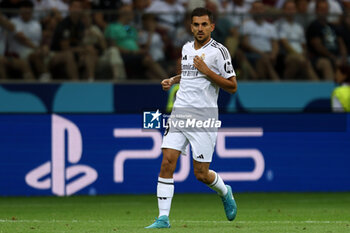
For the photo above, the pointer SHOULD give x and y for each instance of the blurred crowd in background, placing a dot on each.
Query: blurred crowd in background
(118, 40)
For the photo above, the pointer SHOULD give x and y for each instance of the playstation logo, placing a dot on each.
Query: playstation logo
(80, 176)
(151, 120)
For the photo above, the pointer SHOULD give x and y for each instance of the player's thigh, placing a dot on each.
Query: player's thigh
(176, 141)
(202, 144)
(173, 144)
(170, 156)
(168, 166)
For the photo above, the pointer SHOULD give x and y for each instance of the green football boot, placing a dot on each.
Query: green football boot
(161, 222)
(229, 204)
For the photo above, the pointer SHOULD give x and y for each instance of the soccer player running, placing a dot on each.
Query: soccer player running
(206, 67)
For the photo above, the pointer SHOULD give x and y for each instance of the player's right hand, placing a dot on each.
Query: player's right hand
(166, 84)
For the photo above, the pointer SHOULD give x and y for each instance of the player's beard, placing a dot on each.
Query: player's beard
(201, 41)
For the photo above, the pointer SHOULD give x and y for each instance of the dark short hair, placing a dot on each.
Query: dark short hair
(201, 11)
(26, 4)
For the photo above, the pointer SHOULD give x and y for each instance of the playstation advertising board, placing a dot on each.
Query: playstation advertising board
(69, 154)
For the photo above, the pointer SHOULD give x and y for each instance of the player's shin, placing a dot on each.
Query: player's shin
(165, 193)
(218, 185)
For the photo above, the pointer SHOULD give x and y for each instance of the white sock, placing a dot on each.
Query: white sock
(165, 193)
(218, 185)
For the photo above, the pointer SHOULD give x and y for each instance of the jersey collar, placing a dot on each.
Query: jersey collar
(204, 46)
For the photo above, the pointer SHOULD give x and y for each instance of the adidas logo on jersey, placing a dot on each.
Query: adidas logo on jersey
(200, 156)
(184, 57)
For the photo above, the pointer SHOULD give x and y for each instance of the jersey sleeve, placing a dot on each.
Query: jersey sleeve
(224, 63)
(183, 51)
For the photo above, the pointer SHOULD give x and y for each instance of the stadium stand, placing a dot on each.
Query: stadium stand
(93, 53)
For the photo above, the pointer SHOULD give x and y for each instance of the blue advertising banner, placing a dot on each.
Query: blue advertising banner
(117, 98)
(42, 154)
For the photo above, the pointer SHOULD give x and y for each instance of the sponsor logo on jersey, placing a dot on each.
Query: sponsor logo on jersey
(228, 67)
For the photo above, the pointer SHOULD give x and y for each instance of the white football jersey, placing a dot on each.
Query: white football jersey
(196, 89)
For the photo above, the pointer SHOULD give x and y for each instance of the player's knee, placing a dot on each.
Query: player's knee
(168, 166)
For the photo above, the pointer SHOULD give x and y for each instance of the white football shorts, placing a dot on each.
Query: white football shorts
(202, 143)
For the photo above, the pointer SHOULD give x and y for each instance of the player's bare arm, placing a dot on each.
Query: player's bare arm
(229, 85)
(167, 83)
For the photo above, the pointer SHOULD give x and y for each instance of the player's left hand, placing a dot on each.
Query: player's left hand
(200, 65)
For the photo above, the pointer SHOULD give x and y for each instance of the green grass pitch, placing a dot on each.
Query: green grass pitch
(257, 212)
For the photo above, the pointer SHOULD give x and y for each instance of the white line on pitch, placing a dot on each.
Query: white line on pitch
(185, 221)
(40, 221)
(267, 222)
